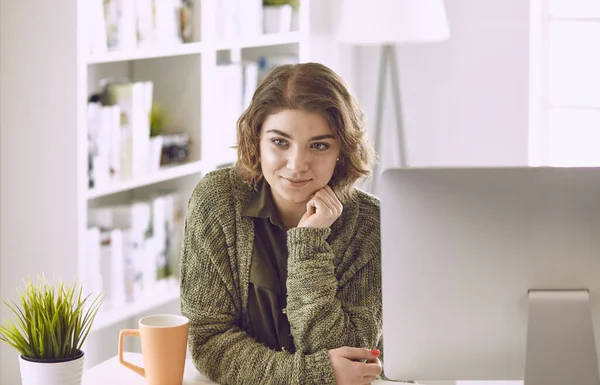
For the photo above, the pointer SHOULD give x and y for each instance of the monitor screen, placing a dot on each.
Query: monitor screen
(464, 249)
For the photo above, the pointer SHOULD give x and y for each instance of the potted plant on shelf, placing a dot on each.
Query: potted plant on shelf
(278, 15)
(49, 327)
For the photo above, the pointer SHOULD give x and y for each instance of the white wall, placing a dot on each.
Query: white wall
(465, 100)
(38, 99)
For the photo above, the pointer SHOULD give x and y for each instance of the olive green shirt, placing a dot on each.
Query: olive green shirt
(268, 273)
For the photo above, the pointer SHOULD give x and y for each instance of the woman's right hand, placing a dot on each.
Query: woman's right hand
(348, 368)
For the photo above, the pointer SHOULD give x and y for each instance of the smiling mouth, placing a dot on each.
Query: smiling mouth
(296, 182)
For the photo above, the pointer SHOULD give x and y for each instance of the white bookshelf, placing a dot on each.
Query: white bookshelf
(166, 292)
(260, 41)
(44, 86)
(183, 77)
(165, 174)
(196, 48)
(138, 54)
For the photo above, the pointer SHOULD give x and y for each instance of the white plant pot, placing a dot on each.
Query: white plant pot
(295, 26)
(54, 373)
(277, 18)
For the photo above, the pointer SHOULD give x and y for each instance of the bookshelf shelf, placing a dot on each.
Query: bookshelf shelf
(147, 53)
(259, 41)
(272, 39)
(195, 48)
(162, 294)
(165, 174)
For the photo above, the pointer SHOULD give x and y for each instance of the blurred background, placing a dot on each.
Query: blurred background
(112, 110)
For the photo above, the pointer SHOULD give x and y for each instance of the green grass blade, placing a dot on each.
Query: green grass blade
(50, 321)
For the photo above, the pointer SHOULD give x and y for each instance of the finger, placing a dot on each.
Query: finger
(327, 202)
(327, 191)
(335, 202)
(331, 202)
(356, 353)
(322, 205)
(373, 360)
(367, 380)
(331, 193)
(306, 215)
(372, 369)
(311, 208)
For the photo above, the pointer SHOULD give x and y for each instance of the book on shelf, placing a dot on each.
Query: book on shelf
(132, 248)
(267, 63)
(126, 138)
(113, 265)
(227, 19)
(249, 18)
(220, 137)
(233, 86)
(92, 276)
(119, 22)
(103, 123)
(119, 142)
(255, 71)
(135, 102)
(119, 25)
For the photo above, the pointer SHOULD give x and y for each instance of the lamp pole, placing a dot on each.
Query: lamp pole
(388, 54)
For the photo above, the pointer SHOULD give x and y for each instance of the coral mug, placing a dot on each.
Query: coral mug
(164, 346)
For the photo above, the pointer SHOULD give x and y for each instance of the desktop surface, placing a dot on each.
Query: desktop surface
(111, 372)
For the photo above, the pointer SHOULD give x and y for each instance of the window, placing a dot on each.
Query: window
(565, 83)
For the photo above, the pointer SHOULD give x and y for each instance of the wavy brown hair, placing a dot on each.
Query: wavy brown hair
(315, 88)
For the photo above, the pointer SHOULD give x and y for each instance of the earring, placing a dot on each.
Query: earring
(337, 160)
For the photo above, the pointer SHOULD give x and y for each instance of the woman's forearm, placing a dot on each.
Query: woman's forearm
(318, 316)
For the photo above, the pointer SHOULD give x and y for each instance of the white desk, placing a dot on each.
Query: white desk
(111, 372)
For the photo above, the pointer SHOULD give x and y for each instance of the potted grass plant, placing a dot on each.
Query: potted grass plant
(50, 323)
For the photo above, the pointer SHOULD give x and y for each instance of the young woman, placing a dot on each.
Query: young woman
(281, 273)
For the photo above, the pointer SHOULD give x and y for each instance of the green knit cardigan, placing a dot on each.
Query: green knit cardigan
(333, 287)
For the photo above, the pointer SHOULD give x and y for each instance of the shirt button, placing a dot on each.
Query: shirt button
(284, 310)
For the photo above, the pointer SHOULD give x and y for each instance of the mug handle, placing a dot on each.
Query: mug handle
(129, 365)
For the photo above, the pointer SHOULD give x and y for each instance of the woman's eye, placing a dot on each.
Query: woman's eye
(320, 146)
(279, 142)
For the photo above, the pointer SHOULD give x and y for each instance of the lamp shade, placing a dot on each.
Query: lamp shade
(365, 22)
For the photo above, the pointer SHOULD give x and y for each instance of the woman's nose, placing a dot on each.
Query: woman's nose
(299, 160)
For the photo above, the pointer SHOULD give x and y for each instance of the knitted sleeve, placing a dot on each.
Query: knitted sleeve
(220, 349)
(324, 313)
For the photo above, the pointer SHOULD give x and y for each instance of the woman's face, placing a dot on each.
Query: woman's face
(298, 154)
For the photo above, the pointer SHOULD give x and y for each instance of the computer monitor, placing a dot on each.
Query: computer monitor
(491, 274)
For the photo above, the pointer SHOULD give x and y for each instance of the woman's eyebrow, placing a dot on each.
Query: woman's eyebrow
(280, 133)
(320, 137)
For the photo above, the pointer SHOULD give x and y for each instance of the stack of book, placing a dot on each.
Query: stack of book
(132, 247)
(117, 25)
(255, 71)
(233, 88)
(248, 18)
(119, 142)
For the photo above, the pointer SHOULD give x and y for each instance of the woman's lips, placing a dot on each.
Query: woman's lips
(295, 182)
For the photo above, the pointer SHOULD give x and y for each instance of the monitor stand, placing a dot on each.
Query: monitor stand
(561, 348)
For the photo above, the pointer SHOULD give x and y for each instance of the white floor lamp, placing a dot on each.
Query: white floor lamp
(386, 23)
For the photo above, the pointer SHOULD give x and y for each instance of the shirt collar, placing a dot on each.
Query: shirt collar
(261, 205)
